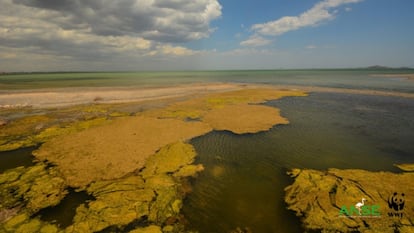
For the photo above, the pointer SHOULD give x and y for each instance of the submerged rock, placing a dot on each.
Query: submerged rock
(352, 200)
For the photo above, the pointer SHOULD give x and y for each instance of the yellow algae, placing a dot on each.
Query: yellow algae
(189, 170)
(319, 196)
(407, 167)
(169, 159)
(35, 187)
(149, 229)
(152, 193)
(244, 118)
(16, 137)
(197, 107)
(22, 223)
(113, 150)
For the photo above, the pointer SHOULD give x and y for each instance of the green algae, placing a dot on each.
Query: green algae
(236, 111)
(35, 187)
(89, 155)
(150, 189)
(318, 196)
(22, 223)
(149, 229)
(17, 137)
(407, 167)
(169, 159)
(154, 194)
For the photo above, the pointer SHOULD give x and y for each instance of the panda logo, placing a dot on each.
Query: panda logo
(396, 201)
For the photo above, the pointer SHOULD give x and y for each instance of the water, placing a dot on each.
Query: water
(16, 158)
(359, 79)
(245, 175)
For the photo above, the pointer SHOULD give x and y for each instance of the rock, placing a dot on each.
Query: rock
(327, 201)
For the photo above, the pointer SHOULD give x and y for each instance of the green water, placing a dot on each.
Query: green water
(347, 78)
(245, 175)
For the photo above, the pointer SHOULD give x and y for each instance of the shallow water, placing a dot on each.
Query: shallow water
(346, 78)
(16, 158)
(245, 175)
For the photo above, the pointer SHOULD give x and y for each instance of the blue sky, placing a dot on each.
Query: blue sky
(90, 35)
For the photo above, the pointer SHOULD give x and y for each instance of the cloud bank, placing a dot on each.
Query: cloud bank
(102, 29)
(323, 11)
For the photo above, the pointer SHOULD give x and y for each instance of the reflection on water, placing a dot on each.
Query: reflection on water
(244, 177)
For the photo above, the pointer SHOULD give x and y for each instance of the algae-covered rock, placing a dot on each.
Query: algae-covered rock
(35, 187)
(352, 200)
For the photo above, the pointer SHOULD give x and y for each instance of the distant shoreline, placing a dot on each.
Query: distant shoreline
(407, 76)
(63, 97)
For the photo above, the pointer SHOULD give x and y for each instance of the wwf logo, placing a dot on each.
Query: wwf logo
(396, 201)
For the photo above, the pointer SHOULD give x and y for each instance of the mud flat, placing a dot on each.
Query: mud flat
(134, 164)
(353, 200)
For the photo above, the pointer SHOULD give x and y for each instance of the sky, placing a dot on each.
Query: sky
(143, 35)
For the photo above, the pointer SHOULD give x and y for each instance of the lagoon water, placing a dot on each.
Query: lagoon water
(347, 78)
(245, 175)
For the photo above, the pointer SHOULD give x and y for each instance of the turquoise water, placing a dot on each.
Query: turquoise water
(359, 79)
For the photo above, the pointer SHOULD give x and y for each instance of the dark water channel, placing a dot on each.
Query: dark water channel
(245, 175)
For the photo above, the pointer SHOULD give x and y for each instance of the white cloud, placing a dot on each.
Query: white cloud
(322, 11)
(101, 30)
(311, 47)
(255, 41)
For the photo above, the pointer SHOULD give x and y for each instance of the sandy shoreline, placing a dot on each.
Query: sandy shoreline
(63, 97)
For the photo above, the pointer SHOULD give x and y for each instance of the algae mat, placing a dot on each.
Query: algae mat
(115, 149)
(353, 200)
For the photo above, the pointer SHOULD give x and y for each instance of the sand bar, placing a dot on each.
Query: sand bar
(63, 97)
